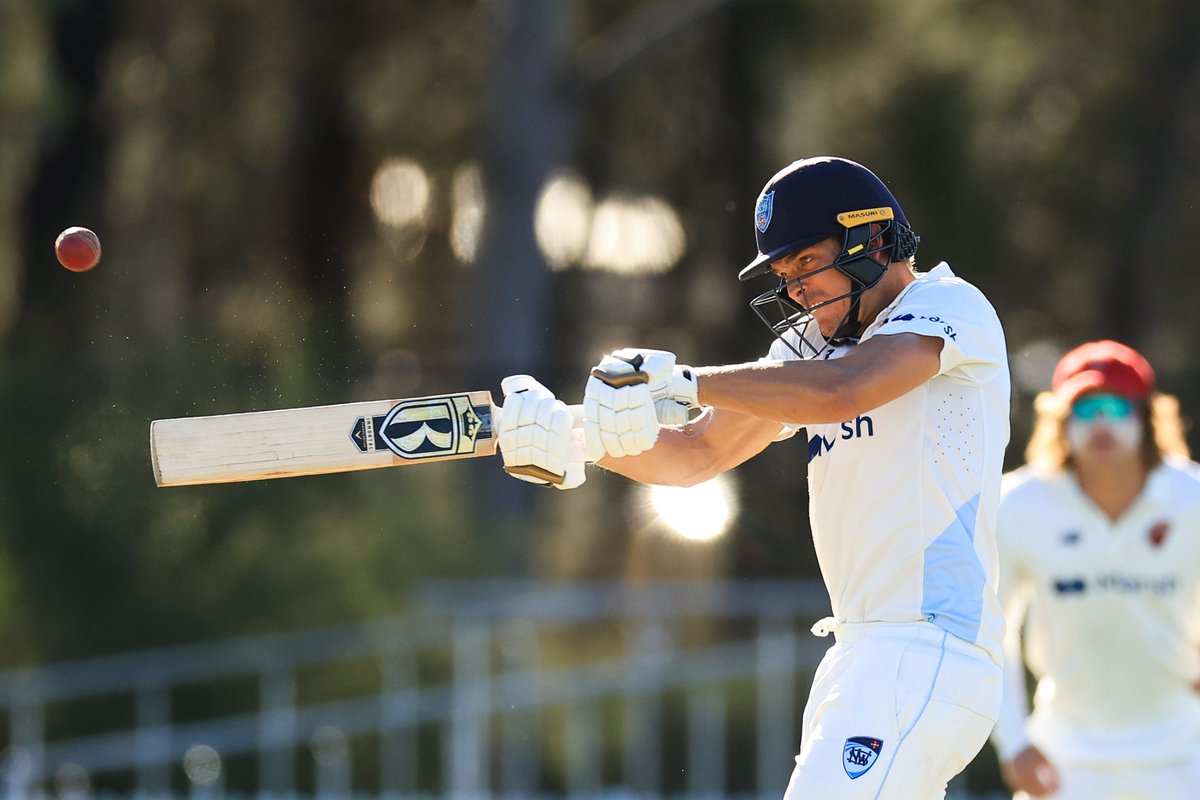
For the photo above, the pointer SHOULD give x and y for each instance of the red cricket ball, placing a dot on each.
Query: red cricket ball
(78, 249)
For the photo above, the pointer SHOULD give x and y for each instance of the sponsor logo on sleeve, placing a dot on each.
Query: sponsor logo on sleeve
(947, 328)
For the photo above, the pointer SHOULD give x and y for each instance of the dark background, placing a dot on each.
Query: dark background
(228, 153)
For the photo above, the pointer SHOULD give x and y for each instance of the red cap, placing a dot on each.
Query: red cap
(1104, 366)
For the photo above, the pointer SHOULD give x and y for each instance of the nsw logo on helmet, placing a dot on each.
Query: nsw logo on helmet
(762, 212)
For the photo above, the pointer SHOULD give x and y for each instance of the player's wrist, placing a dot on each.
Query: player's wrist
(677, 399)
(701, 377)
(685, 386)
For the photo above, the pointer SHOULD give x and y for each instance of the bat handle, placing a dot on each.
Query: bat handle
(576, 416)
(576, 449)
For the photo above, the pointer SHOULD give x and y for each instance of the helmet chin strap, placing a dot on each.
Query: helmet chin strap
(851, 326)
(858, 240)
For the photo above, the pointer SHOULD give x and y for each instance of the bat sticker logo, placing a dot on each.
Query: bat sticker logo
(424, 428)
(762, 212)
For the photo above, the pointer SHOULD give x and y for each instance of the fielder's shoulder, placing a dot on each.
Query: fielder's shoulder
(1029, 487)
(1025, 496)
(1177, 482)
(1185, 468)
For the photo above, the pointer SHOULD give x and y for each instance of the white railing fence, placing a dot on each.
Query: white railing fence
(486, 689)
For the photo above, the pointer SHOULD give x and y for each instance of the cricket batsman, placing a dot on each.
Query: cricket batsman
(900, 381)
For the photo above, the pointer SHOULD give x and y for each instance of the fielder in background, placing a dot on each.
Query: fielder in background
(900, 380)
(1099, 538)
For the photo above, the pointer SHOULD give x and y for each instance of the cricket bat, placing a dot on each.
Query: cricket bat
(290, 442)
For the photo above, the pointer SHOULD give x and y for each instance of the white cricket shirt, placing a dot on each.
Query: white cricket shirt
(903, 498)
(1109, 611)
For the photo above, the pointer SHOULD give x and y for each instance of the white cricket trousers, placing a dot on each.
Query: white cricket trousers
(895, 711)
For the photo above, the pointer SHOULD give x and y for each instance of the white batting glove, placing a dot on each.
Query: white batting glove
(630, 393)
(673, 387)
(535, 435)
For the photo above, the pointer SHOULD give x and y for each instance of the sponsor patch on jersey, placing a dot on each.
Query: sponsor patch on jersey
(1126, 584)
(859, 427)
(859, 755)
(1158, 533)
(1071, 538)
(1070, 585)
(762, 212)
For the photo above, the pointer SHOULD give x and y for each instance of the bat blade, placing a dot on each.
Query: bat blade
(292, 442)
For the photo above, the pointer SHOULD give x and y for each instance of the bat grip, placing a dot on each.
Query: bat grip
(576, 449)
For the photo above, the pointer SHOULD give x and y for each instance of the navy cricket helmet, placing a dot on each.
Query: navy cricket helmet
(807, 201)
(816, 199)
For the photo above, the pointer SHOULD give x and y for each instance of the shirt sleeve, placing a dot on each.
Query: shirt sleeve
(956, 312)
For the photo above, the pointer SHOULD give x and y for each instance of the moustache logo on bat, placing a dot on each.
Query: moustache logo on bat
(424, 428)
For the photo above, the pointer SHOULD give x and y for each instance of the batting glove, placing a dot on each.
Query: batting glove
(630, 393)
(676, 398)
(535, 435)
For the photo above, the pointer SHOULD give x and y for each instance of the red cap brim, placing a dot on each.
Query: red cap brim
(1092, 380)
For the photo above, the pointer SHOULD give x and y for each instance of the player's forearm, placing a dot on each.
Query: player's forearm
(690, 454)
(784, 391)
(679, 458)
(824, 391)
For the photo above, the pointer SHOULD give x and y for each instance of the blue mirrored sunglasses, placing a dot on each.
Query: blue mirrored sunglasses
(1111, 406)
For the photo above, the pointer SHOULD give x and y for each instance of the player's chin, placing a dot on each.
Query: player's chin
(828, 320)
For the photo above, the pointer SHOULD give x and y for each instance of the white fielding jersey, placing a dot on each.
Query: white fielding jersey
(903, 498)
(1110, 629)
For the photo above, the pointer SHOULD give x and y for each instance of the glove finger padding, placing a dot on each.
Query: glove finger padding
(619, 420)
(672, 385)
(535, 434)
(631, 393)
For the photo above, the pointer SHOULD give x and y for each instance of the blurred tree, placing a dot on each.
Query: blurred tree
(306, 203)
(285, 194)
